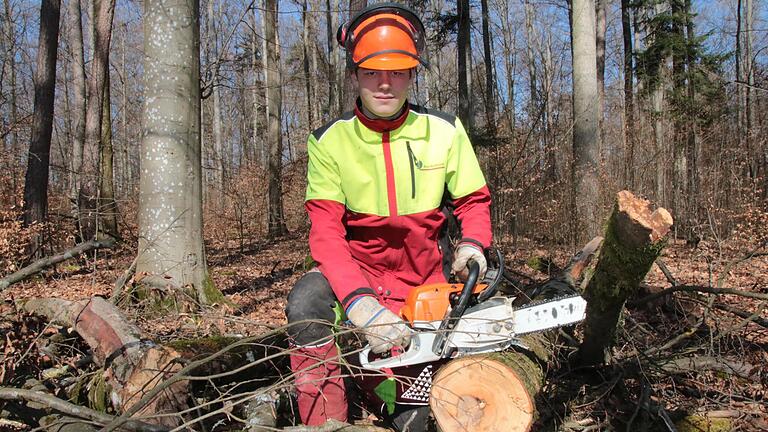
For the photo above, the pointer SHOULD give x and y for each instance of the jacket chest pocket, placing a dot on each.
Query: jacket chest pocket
(426, 169)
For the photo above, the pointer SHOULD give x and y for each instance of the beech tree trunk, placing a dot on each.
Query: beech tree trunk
(38, 159)
(585, 119)
(171, 250)
(634, 238)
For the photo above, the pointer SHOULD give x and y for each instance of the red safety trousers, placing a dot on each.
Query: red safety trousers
(319, 384)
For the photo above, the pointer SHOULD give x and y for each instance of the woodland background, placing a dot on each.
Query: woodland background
(665, 98)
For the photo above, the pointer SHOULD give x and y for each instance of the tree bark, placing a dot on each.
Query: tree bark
(634, 238)
(464, 48)
(585, 120)
(276, 221)
(171, 249)
(38, 159)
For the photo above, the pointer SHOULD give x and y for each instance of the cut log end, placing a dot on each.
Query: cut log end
(480, 394)
(645, 222)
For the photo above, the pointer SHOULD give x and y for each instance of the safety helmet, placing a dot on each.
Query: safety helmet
(384, 36)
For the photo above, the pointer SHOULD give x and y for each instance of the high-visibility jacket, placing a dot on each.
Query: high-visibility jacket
(374, 195)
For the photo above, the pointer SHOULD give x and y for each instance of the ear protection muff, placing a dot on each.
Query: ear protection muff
(345, 35)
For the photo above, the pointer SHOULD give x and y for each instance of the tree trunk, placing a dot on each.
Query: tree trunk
(490, 83)
(693, 235)
(219, 156)
(464, 46)
(629, 104)
(634, 238)
(276, 221)
(740, 109)
(11, 49)
(657, 103)
(585, 120)
(306, 41)
(330, 31)
(38, 159)
(78, 82)
(171, 250)
(88, 196)
(749, 71)
(680, 162)
(509, 37)
(600, 29)
(258, 139)
(107, 203)
(349, 95)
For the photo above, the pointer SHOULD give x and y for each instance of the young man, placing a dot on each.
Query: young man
(377, 181)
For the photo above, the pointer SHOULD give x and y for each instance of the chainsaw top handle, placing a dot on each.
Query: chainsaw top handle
(452, 317)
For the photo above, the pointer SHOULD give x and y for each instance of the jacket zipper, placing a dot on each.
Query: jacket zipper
(412, 160)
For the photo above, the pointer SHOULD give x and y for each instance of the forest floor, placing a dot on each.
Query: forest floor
(636, 393)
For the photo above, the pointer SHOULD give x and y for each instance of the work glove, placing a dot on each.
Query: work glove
(465, 252)
(383, 329)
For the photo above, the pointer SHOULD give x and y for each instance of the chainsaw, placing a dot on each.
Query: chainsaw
(454, 320)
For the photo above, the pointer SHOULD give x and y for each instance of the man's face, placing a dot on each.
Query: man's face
(383, 93)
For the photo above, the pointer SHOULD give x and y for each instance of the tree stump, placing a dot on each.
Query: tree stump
(634, 238)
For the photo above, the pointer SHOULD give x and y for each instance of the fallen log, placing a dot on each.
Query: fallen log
(134, 365)
(634, 238)
(497, 391)
(43, 263)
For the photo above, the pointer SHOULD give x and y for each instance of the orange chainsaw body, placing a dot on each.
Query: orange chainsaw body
(430, 302)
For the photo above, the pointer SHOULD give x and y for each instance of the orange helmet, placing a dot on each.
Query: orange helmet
(384, 36)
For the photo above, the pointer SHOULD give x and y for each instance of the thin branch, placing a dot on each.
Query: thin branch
(41, 264)
(71, 409)
(699, 288)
